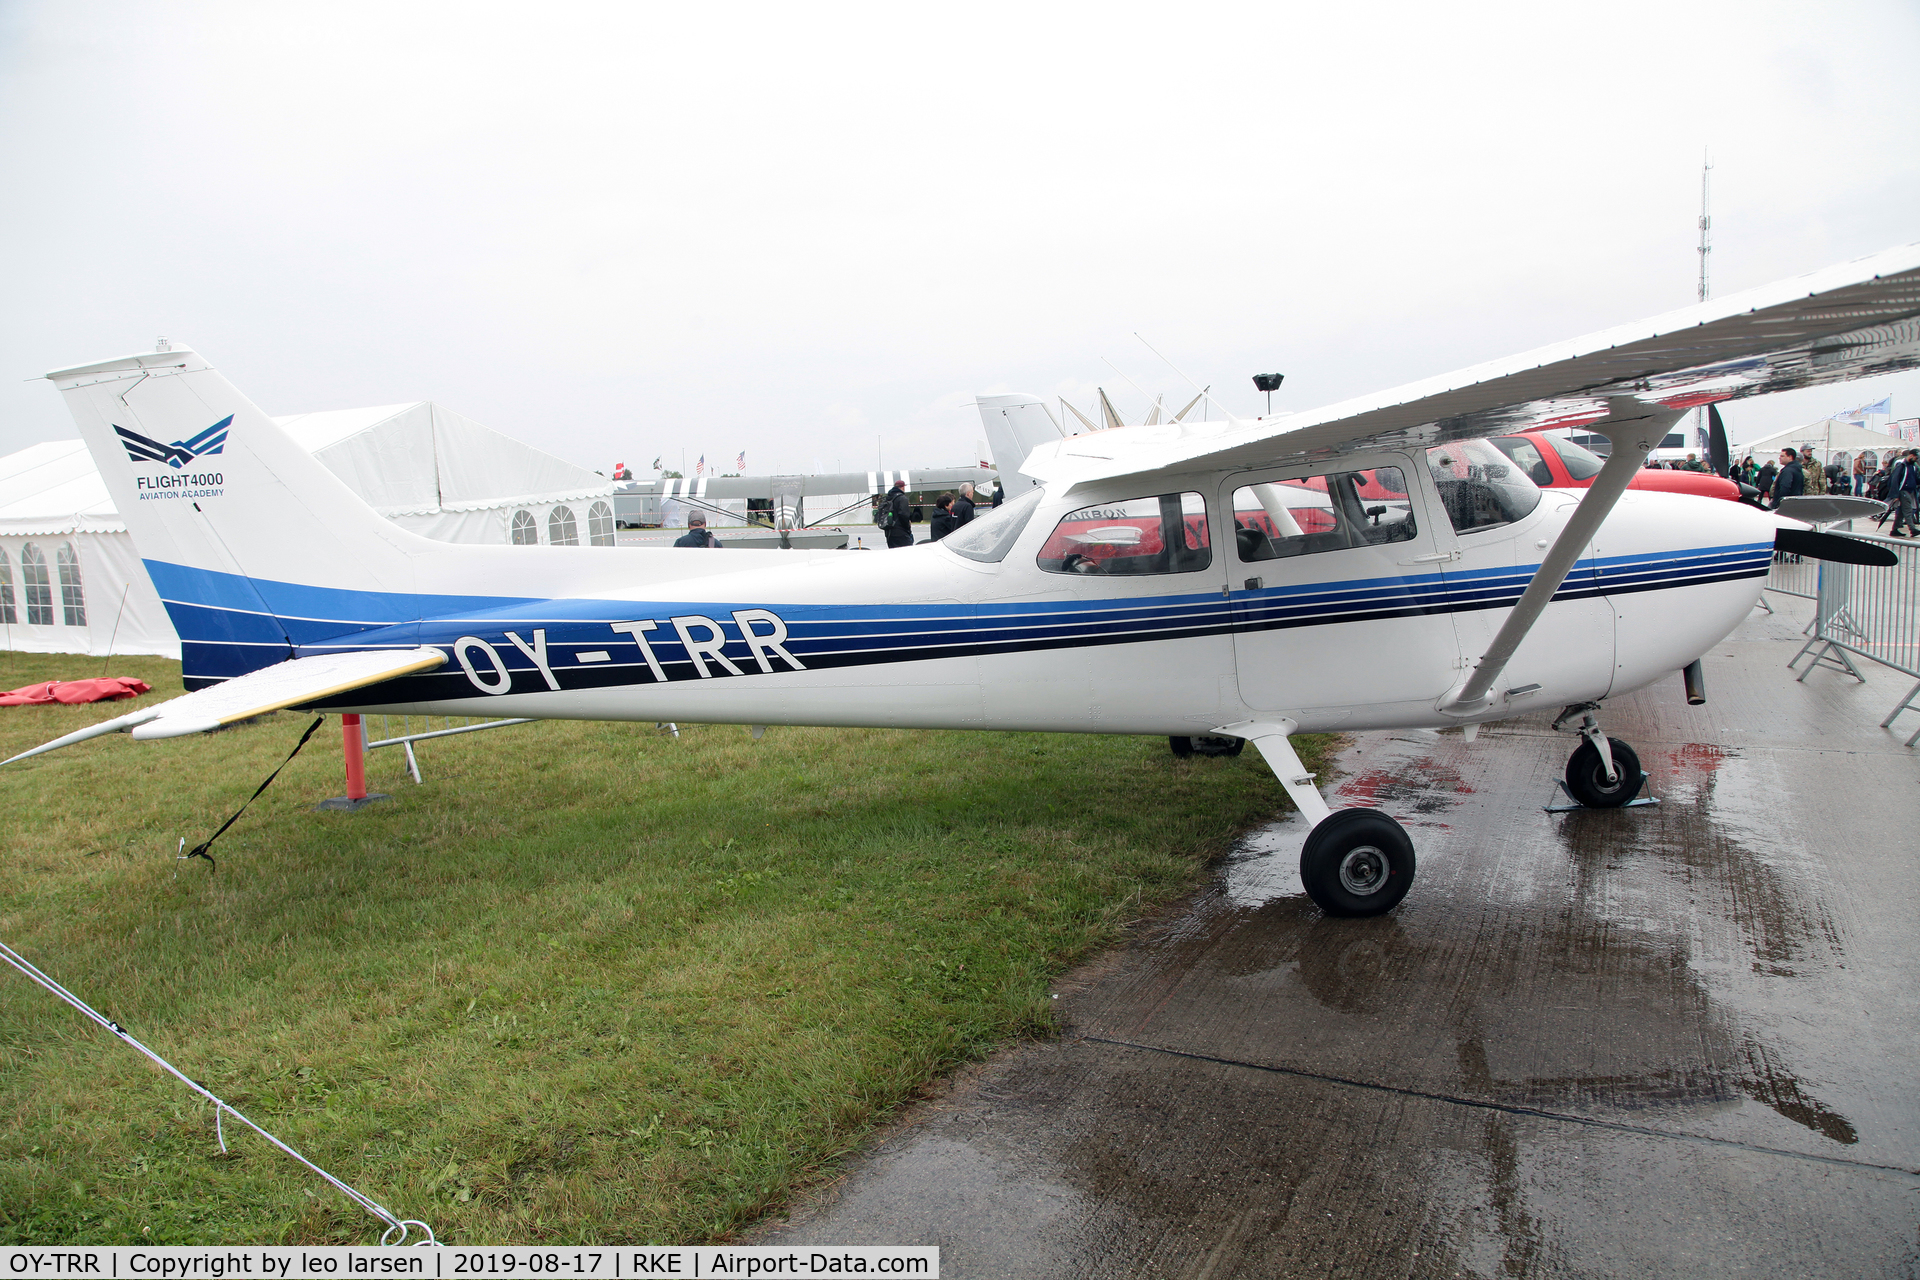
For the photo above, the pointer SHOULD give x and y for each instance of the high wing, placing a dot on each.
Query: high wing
(289, 684)
(1847, 321)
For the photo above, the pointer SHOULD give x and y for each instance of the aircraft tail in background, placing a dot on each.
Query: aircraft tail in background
(1016, 426)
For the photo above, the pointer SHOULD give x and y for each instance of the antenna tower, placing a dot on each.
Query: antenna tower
(1706, 223)
(1706, 247)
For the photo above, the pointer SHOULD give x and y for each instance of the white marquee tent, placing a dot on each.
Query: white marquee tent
(1825, 437)
(71, 581)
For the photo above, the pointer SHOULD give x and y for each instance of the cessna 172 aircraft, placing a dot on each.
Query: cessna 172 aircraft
(1375, 563)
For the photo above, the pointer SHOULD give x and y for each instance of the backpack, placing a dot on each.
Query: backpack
(883, 514)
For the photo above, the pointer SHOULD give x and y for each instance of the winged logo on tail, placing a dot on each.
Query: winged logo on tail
(176, 455)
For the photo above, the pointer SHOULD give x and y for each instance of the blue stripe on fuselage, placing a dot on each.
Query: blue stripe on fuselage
(224, 631)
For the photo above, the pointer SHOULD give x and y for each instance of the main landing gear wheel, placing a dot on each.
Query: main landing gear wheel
(1587, 777)
(1206, 744)
(1357, 862)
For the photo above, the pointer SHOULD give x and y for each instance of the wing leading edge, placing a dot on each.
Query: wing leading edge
(1847, 321)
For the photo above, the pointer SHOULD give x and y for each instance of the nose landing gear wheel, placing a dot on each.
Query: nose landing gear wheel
(1587, 778)
(1357, 862)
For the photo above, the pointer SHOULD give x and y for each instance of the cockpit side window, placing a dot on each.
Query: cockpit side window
(1166, 533)
(1322, 513)
(1479, 487)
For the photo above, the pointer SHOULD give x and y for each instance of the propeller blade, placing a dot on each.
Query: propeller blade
(1832, 546)
(1718, 455)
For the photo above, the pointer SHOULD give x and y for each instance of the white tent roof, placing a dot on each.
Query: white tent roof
(52, 488)
(419, 459)
(1824, 436)
(404, 459)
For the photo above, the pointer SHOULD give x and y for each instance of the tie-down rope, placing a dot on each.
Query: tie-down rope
(402, 1225)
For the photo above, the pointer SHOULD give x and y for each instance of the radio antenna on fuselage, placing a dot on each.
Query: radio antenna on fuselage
(1189, 381)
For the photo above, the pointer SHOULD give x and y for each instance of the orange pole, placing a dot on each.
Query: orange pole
(354, 744)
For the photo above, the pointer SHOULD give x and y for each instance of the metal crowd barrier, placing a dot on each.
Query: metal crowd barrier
(1793, 576)
(449, 726)
(1865, 613)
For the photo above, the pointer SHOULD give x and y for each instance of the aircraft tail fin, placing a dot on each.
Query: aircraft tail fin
(1016, 426)
(215, 495)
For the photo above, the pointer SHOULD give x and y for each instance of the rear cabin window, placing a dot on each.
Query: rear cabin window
(1322, 513)
(1166, 533)
(1479, 487)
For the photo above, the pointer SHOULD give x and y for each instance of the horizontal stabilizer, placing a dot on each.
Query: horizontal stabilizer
(288, 684)
(1827, 508)
(1833, 546)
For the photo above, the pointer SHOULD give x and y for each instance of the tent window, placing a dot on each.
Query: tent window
(7, 614)
(600, 525)
(526, 531)
(73, 601)
(33, 576)
(561, 529)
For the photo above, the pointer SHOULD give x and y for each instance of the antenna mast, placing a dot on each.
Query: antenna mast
(1706, 223)
(1706, 247)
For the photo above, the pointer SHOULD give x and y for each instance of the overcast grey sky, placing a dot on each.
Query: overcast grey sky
(623, 231)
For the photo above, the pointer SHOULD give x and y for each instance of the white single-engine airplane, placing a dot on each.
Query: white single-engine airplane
(1372, 564)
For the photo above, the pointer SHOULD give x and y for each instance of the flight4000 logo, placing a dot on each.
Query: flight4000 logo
(177, 455)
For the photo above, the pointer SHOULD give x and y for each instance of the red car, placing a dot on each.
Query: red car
(1554, 462)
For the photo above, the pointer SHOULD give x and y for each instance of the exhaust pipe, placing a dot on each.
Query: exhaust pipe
(1695, 678)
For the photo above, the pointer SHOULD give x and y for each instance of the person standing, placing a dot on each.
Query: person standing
(999, 494)
(1903, 495)
(696, 534)
(1816, 479)
(896, 516)
(962, 505)
(1792, 480)
(1862, 473)
(944, 521)
(1764, 478)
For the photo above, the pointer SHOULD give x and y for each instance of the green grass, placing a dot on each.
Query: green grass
(585, 984)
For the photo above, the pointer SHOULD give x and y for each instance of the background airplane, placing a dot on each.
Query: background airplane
(1122, 592)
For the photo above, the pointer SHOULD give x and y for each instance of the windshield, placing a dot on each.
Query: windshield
(1581, 464)
(988, 538)
(1480, 488)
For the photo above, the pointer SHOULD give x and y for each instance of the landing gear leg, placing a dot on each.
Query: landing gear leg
(1603, 772)
(1356, 862)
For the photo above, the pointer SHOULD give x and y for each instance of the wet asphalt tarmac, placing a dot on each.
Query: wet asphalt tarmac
(1675, 1040)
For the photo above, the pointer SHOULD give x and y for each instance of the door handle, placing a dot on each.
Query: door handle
(1433, 557)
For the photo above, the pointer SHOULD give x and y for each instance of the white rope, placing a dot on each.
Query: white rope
(403, 1226)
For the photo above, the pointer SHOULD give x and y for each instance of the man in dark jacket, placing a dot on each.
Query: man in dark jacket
(1792, 481)
(963, 506)
(944, 522)
(1903, 494)
(898, 515)
(696, 534)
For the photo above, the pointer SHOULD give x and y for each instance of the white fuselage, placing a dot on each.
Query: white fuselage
(1360, 637)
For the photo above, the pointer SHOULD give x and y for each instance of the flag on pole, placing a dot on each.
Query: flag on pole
(700, 467)
(656, 464)
(740, 464)
(1882, 406)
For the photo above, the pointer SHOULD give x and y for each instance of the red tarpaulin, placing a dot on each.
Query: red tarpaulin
(102, 689)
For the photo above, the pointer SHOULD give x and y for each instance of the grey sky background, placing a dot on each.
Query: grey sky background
(626, 231)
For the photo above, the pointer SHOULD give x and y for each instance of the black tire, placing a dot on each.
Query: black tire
(1587, 781)
(1206, 745)
(1357, 862)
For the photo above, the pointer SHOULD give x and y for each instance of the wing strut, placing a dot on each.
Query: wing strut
(1634, 428)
